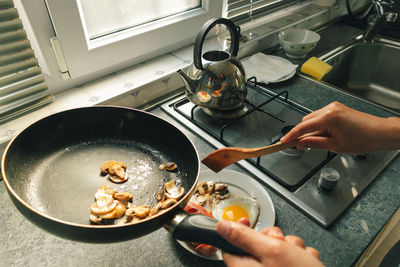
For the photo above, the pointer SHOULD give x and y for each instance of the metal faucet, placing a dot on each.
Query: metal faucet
(385, 12)
(375, 24)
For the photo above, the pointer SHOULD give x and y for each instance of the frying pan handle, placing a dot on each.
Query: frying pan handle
(203, 229)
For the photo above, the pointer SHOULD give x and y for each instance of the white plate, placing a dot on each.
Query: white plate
(269, 68)
(287, 77)
(284, 78)
(239, 183)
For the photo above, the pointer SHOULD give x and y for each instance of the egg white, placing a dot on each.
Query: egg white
(247, 203)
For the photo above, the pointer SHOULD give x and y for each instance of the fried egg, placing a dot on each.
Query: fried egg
(236, 207)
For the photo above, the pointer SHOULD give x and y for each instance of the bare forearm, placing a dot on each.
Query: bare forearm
(391, 137)
(344, 130)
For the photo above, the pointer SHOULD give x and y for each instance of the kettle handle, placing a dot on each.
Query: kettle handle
(198, 44)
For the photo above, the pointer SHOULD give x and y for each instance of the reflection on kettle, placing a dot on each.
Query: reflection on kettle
(217, 79)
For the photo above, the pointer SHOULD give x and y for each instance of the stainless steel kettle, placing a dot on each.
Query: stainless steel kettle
(216, 80)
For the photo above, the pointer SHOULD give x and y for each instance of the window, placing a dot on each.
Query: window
(106, 17)
(144, 29)
(244, 10)
(92, 38)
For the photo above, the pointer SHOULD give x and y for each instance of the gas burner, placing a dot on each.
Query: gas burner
(227, 114)
(270, 116)
(293, 151)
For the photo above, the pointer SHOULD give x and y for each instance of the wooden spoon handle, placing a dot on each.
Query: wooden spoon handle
(226, 156)
(261, 151)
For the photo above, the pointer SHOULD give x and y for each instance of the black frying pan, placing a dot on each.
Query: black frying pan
(51, 170)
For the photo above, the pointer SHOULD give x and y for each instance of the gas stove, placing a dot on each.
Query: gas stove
(294, 174)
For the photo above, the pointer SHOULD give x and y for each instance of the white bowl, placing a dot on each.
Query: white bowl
(297, 43)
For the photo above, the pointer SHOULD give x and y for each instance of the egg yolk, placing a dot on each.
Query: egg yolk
(234, 213)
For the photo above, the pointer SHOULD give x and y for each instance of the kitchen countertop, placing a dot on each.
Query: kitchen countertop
(22, 243)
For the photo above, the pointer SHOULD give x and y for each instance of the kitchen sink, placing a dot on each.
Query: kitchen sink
(369, 70)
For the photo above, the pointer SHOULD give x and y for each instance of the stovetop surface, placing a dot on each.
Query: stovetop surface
(295, 178)
(266, 116)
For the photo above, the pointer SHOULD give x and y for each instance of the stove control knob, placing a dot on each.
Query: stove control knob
(328, 179)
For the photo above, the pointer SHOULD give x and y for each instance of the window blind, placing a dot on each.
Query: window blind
(238, 10)
(22, 83)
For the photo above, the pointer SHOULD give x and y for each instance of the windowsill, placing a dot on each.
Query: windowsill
(130, 83)
(153, 79)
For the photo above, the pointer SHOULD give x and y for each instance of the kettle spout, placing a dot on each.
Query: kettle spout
(191, 84)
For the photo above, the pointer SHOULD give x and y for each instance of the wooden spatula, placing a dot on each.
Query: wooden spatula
(223, 157)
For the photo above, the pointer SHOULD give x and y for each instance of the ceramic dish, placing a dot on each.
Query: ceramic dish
(239, 183)
(286, 77)
(297, 43)
(269, 68)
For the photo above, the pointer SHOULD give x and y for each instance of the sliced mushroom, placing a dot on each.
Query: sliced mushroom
(95, 218)
(176, 194)
(103, 200)
(221, 191)
(221, 197)
(117, 169)
(116, 179)
(169, 186)
(104, 189)
(171, 166)
(210, 187)
(201, 188)
(110, 205)
(220, 187)
(173, 192)
(139, 212)
(104, 167)
(202, 199)
(123, 196)
(154, 210)
(130, 212)
(142, 211)
(111, 215)
(120, 209)
(161, 195)
(95, 209)
(168, 203)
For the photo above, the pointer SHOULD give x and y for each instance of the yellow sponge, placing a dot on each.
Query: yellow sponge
(315, 68)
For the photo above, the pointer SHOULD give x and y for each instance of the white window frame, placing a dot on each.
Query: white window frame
(84, 57)
(80, 69)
